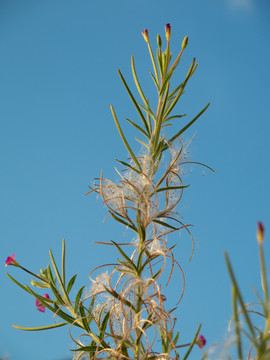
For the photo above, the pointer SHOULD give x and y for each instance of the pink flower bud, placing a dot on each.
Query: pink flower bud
(168, 31)
(201, 341)
(39, 305)
(260, 232)
(11, 260)
(145, 35)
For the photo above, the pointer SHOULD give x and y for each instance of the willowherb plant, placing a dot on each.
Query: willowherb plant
(123, 315)
(244, 325)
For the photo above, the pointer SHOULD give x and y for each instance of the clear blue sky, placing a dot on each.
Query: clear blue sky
(58, 77)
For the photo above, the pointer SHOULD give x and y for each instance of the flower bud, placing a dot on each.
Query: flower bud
(145, 35)
(260, 232)
(168, 31)
(201, 341)
(184, 43)
(159, 42)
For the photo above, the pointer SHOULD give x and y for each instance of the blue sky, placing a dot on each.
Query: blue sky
(58, 78)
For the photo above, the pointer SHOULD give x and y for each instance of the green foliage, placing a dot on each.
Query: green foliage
(124, 310)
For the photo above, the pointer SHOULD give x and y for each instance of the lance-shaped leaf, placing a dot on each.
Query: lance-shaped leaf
(125, 256)
(71, 283)
(237, 324)
(134, 102)
(141, 227)
(137, 127)
(153, 62)
(180, 92)
(185, 127)
(165, 224)
(239, 296)
(124, 139)
(84, 317)
(137, 81)
(154, 79)
(78, 299)
(57, 294)
(129, 166)
(59, 277)
(168, 188)
(40, 328)
(63, 263)
(120, 298)
(65, 316)
(123, 221)
(173, 117)
(104, 325)
(86, 348)
(193, 343)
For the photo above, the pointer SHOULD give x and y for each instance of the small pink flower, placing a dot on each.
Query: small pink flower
(11, 260)
(201, 341)
(145, 35)
(39, 305)
(168, 31)
(260, 232)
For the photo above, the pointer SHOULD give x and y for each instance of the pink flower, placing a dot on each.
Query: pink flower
(11, 260)
(168, 31)
(201, 341)
(39, 305)
(260, 232)
(145, 35)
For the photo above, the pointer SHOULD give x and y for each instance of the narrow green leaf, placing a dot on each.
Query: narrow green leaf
(141, 227)
(129, 166)
(63, 262)
(134, 101)
(142, 142)
(165, 82)
(124, 139)
(71, 283)
(175, 340)
(125, 256)
(237, 324)
(193, 343)
(173, 117)
(172, 94)
(153, 62)
(186, 127)
(159, 58)
(149, 123)
(239, 296)
(137, 127)
(59, 277)
(147, 110)
(17, 283)
(84, 318)
(180, 92)
(165, 224)
(137, 81)
(65, 316)
(122, 221)
(104, 325)
(40, 328)
(78, 299)
(56, 294)
(86, 348)
(168, 188)
(154, 79)
(124, 349)
(49, 274)
(121, 298)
